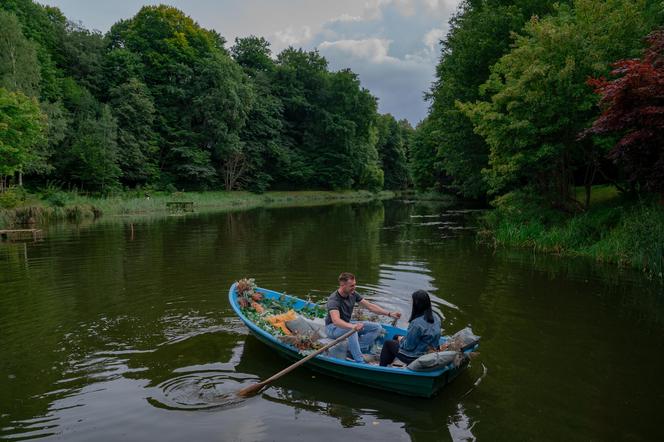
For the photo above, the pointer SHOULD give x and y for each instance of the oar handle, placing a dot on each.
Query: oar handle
(310, 356)
(303, 360)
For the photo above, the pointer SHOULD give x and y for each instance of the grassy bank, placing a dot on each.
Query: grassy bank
(29, 209)
(614, 229)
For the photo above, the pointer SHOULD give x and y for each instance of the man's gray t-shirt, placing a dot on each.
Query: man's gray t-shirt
(344, 305)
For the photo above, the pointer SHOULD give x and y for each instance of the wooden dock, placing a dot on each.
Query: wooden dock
(21, 235)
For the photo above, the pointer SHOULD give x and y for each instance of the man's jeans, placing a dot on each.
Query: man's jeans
(357, 342)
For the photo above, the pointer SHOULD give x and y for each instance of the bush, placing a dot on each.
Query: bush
(642, 235)
(57, 199)
(525, 206)
(12, 197)
(622, 231)
(373, 179)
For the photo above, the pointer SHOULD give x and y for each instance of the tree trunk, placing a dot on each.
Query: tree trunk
(233, 169)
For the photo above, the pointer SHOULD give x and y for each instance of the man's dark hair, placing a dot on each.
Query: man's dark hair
(346, 276)
(421, 306)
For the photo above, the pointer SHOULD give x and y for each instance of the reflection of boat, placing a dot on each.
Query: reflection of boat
(399, 380)
(422, 420)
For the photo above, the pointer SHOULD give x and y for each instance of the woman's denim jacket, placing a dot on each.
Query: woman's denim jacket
(421, 337)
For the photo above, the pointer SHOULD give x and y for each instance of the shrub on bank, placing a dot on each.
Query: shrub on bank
(12, 197)
(620, 230)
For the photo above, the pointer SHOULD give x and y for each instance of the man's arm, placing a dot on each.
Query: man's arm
(336, 320)
(378, 310)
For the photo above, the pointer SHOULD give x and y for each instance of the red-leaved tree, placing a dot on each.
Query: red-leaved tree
(633, 107)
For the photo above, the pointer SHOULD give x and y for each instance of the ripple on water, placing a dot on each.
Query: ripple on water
(201, 390)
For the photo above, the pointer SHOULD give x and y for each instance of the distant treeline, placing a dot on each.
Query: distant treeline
(160, 102)
(525, 105)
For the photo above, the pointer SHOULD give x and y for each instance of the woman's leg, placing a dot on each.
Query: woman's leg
(389, 352)
(403, 358)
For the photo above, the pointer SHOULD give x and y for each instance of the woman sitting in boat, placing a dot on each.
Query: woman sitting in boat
(423, 333)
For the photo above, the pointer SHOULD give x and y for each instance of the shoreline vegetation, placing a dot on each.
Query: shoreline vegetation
(628, 232)
(40, 210)
(616, 228)
(530, 100)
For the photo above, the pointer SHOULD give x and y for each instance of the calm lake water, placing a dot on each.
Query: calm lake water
(121, 330)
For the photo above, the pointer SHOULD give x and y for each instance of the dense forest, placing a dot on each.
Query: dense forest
(553, 112)
(521, 103)
(159, 102)
(535, 97)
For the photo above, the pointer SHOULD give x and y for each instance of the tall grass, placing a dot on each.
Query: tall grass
(614, 229)
(55, 205)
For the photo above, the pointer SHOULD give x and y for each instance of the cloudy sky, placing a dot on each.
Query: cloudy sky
(392, 44)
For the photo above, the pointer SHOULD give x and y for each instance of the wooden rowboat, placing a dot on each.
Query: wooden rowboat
(398, 380)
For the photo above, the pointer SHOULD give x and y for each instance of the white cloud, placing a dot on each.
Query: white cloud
(407, 8)
(432, 38)
(441, 5)
(347, 18)
(374, 50)
(393, 47)
(292, 37)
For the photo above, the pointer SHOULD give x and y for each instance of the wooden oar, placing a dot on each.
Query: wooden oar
(256, 388)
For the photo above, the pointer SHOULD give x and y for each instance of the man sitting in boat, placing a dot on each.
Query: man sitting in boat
(340, 306)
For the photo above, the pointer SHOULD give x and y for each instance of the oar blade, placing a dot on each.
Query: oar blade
(251, 390)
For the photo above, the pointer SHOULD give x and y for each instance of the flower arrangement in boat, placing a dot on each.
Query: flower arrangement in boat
(272, 314)
(248, 296)
(303, 342)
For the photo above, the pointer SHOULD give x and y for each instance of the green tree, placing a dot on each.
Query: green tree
(133, 108)
(253, 54)
(346, 135)
(93, 153)
(81, 56)
(479, 35)
(221, 101)
(184, 67)
(539, 97)
(298, 80)
(54, 132)
(45, 27)
(329, 123)
(19, 68)
(425, 173)
(391, 146)
(21, 125)
(264, 148)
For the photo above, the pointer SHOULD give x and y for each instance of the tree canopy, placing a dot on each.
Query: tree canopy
(511, 96)
(159, 101)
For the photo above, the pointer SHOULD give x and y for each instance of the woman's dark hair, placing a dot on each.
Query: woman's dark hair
(421, 306)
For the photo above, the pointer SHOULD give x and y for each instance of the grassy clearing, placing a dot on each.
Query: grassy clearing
(599, 194)
(614, 229)
(41, 209)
